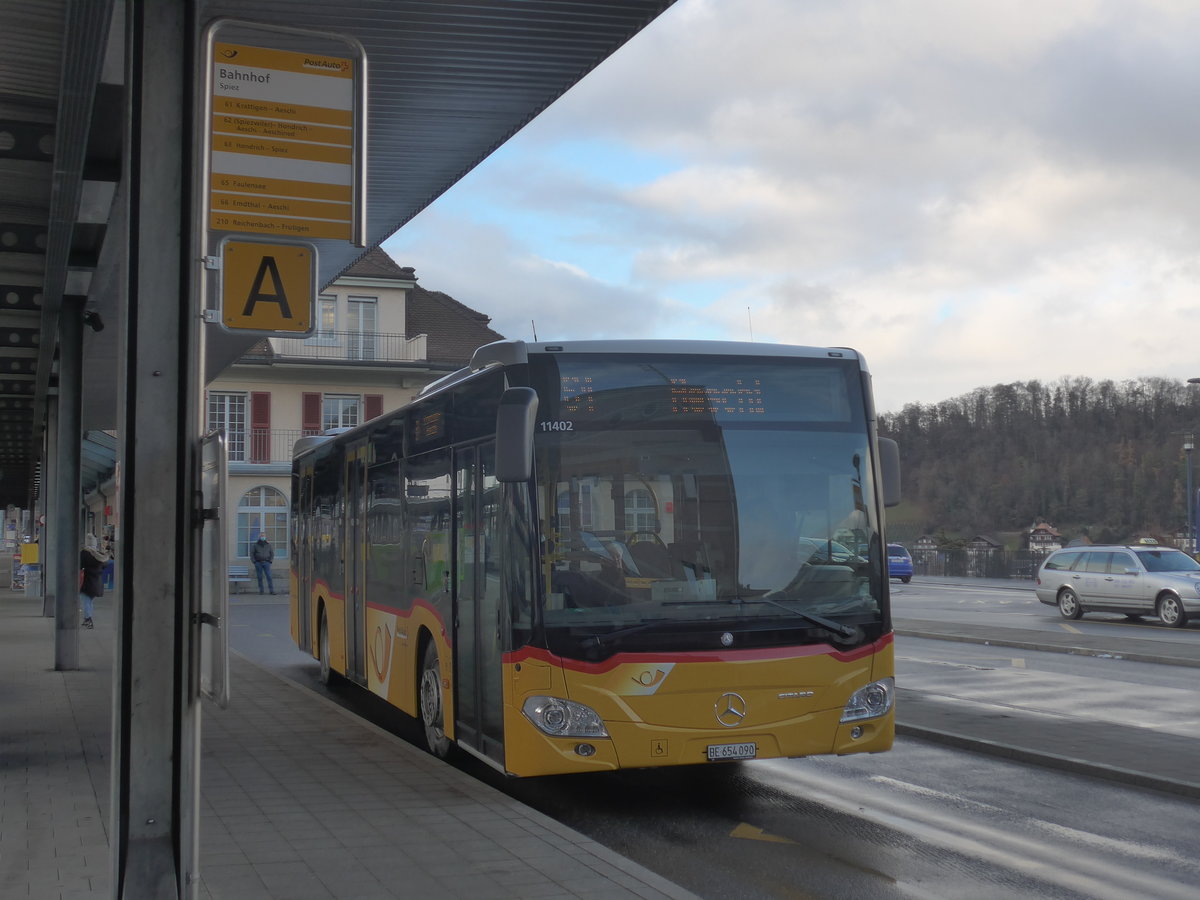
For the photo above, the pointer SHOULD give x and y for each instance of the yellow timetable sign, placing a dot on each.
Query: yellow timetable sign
(282, 142)
(268, 287)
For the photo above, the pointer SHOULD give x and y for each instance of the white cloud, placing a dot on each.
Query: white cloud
(968, 193)
(521, 291)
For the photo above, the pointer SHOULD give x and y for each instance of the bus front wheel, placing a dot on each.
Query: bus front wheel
(323, 649)
(432, 717)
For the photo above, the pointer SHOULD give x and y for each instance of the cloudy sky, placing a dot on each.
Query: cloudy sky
(967, 193)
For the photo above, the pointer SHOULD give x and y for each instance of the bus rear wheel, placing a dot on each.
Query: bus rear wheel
(430, 697)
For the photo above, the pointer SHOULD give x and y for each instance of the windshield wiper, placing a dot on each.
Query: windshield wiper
(846, 631)
(599, 640)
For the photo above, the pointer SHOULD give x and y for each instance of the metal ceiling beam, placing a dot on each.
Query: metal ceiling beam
(85, 38)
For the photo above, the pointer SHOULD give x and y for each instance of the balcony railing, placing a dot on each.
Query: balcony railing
(352, 345)
(264, 445)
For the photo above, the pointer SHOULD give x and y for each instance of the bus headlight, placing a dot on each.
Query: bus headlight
(868, 702)
(563, 718)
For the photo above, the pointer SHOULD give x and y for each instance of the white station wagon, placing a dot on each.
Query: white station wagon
(1133, 580)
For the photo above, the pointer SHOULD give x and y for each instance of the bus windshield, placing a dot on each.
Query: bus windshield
(695, 502)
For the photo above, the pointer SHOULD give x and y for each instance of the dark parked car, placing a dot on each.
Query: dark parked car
(899, 563)
(1135, 580)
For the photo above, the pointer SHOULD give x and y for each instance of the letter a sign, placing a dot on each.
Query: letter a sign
(268, 287)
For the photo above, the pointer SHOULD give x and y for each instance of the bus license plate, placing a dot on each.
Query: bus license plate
(732, 751)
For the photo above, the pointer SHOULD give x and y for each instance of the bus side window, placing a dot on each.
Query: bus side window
(427, 493)
(517, 560)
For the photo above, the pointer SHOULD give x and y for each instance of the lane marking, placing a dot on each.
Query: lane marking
(748, 832)
(1018, 662)
(1097, 841)
(1077, 870)
(1070, 628)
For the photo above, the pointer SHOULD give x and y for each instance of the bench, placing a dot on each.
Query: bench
(239, 574)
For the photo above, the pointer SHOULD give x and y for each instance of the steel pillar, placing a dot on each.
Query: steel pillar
(156, 741)
(60, 568)
(48, 498)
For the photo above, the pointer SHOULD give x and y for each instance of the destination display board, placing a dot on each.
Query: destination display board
(586, 391)
(282, 143)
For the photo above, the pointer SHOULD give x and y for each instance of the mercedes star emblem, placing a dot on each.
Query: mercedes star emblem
(730, 709)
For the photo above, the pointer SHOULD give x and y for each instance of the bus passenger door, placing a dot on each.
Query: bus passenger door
(302, 559)
(354, 550)
(479, 705)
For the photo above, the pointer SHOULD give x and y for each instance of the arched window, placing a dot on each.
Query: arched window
(263, 510)
(640, 511)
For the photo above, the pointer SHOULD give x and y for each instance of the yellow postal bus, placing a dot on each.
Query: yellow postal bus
(587, 556)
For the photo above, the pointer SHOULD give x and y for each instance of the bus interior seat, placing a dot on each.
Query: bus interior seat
(652, 558)
(588, 589)
(835, 582)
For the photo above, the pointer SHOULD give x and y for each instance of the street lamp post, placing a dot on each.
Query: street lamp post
(1188, 446)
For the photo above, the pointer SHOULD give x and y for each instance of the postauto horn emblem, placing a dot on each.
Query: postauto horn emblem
(730, 709)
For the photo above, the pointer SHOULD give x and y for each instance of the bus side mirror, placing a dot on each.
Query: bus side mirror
(514, 434)
(889, 466)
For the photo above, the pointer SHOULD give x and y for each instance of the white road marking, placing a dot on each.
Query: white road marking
(1073, 868)
(1101, 842)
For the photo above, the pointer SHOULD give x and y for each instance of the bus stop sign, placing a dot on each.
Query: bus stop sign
(268, 287)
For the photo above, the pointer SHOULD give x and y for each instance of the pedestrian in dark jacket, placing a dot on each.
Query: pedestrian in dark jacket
(91, 580)
(262, 554)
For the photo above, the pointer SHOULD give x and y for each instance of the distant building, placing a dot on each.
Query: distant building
(983, 543)
(380, 338)
(925, 542)
(982, 550)
(1043, 538)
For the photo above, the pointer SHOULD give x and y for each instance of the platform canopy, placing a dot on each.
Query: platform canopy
(449, 82)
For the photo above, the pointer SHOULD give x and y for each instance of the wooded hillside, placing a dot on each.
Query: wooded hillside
(1094, 457)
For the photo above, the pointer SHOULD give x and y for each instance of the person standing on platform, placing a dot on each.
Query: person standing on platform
(91, 580)
(109, 566)
(262, 554)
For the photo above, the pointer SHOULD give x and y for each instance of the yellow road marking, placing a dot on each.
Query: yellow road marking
(1070, 628)
(1018, 662)
(750, 833)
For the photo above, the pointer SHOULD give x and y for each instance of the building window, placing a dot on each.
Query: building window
(584, 497)
(263, 510)
(340, 411)
(326, 321)
(640, 512)
(228, 411)
(362, 324)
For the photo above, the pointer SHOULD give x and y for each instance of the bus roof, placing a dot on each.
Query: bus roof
(510, 353)
(515, 352)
